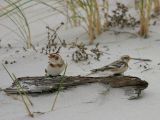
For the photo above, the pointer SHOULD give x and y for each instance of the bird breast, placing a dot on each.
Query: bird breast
(55, 69)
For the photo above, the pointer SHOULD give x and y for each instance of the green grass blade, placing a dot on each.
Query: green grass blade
(59, 88)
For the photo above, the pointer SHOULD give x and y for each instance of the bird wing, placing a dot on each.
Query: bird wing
(117, 64)
(113, 66)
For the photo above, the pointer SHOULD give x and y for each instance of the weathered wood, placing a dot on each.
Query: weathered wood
(44, 84)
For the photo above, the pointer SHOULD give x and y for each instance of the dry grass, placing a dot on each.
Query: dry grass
(72, 7)
(144, 12)
(92, 15)
(20, 91)
(87, 11)
(15, 11)
(17, 16)
(156, 7)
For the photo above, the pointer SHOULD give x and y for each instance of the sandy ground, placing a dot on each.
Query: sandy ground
(84, 102)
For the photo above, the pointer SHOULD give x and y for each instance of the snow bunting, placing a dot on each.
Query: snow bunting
(114, 68)
(56, 65)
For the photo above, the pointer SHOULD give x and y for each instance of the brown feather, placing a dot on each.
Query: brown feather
(56, 65)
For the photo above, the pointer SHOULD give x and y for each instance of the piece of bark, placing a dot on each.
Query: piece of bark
(42, 84)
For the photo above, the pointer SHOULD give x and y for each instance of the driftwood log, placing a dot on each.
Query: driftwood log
(42, 84)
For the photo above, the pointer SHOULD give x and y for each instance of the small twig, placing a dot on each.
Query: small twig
(34, 48)
(146, 70)
(58, 50)
(125, 32)
(40, 113)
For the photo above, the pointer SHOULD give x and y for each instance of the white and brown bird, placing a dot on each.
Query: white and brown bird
(55, 65)
(114, 68)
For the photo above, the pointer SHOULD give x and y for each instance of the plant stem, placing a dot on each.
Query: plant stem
(19, 91)
(59, 88)
(22, 90)
(29, 40)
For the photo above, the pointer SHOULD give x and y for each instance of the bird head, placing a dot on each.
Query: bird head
(55, 58)
(125, 58)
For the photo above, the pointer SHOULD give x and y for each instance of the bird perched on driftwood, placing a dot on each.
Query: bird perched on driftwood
(114, 68)
(55, 65)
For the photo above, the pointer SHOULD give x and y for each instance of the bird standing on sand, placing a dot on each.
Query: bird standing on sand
(56, 65)
(114, 68)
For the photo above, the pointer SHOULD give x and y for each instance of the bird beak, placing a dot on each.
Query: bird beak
(140, 59)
